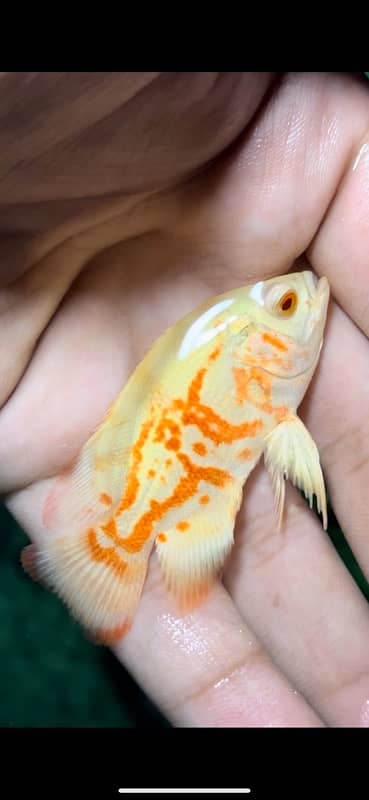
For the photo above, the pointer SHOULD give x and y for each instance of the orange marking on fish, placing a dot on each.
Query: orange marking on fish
(133, 484)
(249, 382)
(161, 537)
(168, 462)
(28, 559)
(178, 404)
(173, 444)
(110, 528)
(204, 499)
(193, 596)
(109, 636)
(215, 353)
(241, 380)
(107, 554)
(193, 397)
(245, 454)
(106, 499)
(274, 341)
(265, 382)
(199, 448)
(164, 424)
(182, 525)
(151, 473)
(211, 425)
(280, 413)
(184, 490)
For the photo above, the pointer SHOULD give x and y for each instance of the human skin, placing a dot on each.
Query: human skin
(126, 199)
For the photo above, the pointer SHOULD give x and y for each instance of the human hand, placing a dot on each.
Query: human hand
(112, 231)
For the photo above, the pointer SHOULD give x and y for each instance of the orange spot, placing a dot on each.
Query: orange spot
(161, 537)
(204, 499)
(184, 490)
(106, 499)
(151, 473)
(178, 404)
(107, 554)
(166, 424)
(241, 380)
(111, 635)
(133, 484)
(199, 448)
(193, 397)
(193, 595)
(245, 454)
(211, 425)
(183, 525)
(255, 386)
(168, 462)
(28, 559)
(274, 341)
(215, 353)
(173, 444)
(110, 528)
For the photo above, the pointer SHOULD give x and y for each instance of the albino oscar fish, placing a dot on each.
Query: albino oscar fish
(168, 463)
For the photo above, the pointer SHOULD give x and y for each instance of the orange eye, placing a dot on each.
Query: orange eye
(288, 303)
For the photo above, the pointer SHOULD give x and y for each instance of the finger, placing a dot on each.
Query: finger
(262, 206)
(335, 410)
(298, 597)
(341, 247)
(208, 668)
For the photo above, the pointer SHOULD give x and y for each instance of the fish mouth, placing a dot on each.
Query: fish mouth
(311, 282)
(317, 287)
(319, 293)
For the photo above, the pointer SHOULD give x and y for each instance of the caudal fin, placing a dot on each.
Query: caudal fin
(100, 584)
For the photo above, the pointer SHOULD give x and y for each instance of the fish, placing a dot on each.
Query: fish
(166, 467)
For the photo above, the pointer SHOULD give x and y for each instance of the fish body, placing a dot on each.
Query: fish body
(167, 466)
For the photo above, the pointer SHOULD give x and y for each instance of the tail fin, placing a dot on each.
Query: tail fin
(100, 584)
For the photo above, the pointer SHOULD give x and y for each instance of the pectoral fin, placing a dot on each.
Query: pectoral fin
(290, 453)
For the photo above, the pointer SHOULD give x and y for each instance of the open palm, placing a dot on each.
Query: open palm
(138, 198)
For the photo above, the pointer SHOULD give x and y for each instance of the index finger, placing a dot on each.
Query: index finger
(208, 669)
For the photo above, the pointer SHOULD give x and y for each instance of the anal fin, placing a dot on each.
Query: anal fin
(192, 555)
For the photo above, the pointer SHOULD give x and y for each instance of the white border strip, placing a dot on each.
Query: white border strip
(184, 791)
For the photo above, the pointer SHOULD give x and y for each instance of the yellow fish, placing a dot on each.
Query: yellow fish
(168, 464)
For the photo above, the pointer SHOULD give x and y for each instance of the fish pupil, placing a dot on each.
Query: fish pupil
(286, 305)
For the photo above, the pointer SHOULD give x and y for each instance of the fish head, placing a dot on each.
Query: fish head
(276, 325)
(285, 320)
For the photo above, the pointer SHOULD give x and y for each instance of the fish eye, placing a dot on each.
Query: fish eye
(281, 301)
(288, 303)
